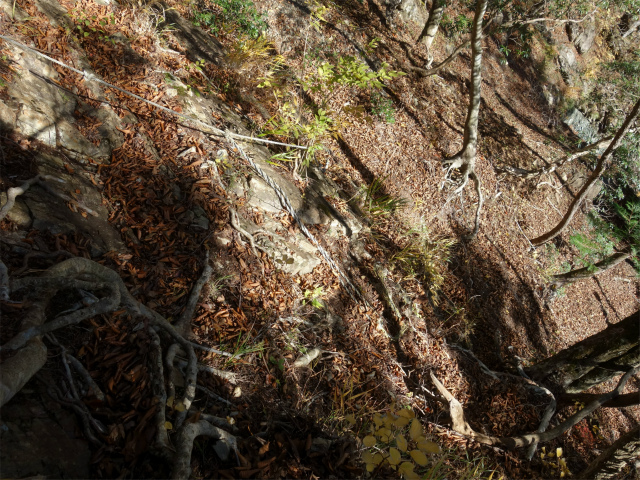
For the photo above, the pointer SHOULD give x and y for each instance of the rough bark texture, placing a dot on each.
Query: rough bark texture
(465, 160)
(431, 27)
(582, 194)
(594, 359)
(626, 400)
(583, 273)
(611, 462)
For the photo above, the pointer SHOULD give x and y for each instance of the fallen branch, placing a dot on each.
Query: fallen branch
(183, 325)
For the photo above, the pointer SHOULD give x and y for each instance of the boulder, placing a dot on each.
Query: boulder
(568, 64)
(581, 126)
(582, 35)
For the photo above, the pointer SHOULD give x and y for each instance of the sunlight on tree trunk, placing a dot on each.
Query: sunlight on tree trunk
(594, 359)
(595, 175)
(433, 23)
(465, 160)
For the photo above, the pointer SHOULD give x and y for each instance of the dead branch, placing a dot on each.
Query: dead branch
(522, 173)
(433, 70)
(621, 401)
(160, 394)
(602, 163)
(14, 192)
(461, 426)
(588, 272)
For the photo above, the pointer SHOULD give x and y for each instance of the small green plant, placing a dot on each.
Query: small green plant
(314, 297)
(378, 204)
(227, 16)
(382, 107)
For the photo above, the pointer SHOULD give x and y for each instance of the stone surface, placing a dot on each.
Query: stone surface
(413, 11)
(7, 117)
(582, 35)
(567, 63)
(581, 126)
(291, 258)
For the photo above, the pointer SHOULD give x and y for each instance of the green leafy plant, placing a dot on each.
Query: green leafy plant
(226, 16)
(382, 107)
(377, 203)
(314, 297)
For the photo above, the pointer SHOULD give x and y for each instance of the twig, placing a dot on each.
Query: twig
(214, 395)
(157, 385)
(213, 350)
(229, 376)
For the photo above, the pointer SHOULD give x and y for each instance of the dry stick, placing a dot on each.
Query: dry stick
(213, 350)
(522, 173)
(214, 395)
(183, 325)
(184, 445)
(579, 198)
(433, 70)
(230, 377)
(461, 426)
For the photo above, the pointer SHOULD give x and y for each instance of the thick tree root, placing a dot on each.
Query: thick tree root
(106, 293)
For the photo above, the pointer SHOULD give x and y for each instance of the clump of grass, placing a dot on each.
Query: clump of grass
(378, 204)
(427, 258)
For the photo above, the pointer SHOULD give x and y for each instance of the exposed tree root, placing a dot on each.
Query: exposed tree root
(461, 426)
(106, 293)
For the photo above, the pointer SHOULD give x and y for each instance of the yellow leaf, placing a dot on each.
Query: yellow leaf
(377, 420)
(415, 430)
(351, 419)
(429, 447)
(394, 456)
(383, 434)
(419, 457)
(411, 476)
(558, 452)
(168, 425)
(367, 457)
(378, 458)
(388, 420)
(370, 467)
(406, 467)
(170, 401)
(369, 441)
(406, 413)
(179, 406)
(401, 442)
(401, 422)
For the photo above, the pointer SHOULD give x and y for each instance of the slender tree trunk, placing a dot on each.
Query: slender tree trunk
(594, 359)
(602, 163)
(626, 400)
(610, 463)
(433, 22)
(465, 160)
(584, 273)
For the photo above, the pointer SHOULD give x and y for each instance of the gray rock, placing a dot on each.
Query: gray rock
(413, 11)
(581, 126)
(57, 14)
(7, 117)
(582, 35)
(291, 258)
(567, 63)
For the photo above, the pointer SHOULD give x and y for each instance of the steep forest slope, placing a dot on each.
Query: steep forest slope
(229, 247)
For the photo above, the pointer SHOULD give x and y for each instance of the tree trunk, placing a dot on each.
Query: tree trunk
(626, 400)
(433, 22)
(465, 160)
(593, 360)
(586, 272)
(610, 463)
(602, 163)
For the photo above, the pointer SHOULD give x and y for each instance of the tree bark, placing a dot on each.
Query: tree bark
(594, 359)
(586, 272)
(465, 160)
(626, 400)
(433, 22)
(579, 198)
(610, 462)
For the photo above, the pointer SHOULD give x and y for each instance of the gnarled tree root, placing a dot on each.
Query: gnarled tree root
(111, 294)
